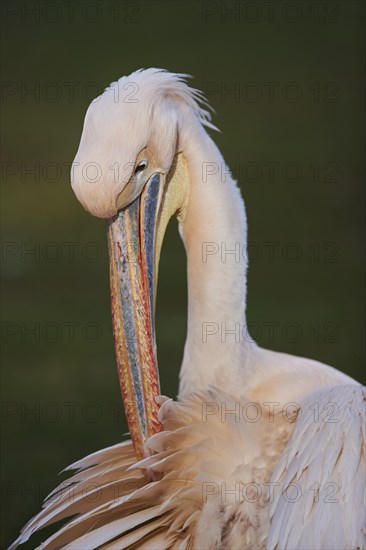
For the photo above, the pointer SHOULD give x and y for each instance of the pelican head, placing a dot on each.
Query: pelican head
(130, 169)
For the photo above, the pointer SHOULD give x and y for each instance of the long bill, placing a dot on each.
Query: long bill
(131, 236)
(135, 237)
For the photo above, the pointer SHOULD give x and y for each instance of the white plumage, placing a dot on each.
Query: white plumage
(212, 489)
(294, 477)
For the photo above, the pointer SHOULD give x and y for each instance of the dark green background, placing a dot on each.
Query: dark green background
(176, 36)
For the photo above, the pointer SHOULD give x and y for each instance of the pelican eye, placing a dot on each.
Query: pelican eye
(141, 167)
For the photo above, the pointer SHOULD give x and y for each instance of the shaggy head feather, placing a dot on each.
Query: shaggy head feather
(146, 108)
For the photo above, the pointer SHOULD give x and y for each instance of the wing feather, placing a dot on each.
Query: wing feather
(319, 481)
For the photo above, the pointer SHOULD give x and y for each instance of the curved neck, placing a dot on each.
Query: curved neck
(214, 233)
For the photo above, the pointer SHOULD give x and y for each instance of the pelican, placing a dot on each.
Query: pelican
(261, 449)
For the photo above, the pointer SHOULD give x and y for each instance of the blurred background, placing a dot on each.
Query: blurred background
(286, 80)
